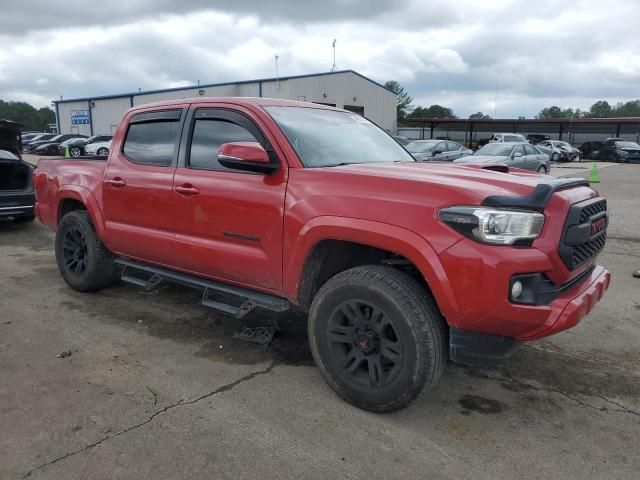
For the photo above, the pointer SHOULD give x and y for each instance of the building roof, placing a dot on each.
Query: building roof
(524, 121)
(242, 82)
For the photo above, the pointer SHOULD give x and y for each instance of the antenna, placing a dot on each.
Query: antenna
(334, 67)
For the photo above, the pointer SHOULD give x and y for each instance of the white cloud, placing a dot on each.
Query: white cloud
(450, 54)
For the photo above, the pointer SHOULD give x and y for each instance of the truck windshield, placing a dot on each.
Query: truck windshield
(326, 138)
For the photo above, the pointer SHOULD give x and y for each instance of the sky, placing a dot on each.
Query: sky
(457, 54)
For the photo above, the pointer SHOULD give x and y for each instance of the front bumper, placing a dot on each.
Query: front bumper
(480, 276)
(568, 310)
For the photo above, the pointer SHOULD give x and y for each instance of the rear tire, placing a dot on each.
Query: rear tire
(555, 157)
(377, 337)
(542, 170)
(75, 152)
(84, 262)
(103, 152)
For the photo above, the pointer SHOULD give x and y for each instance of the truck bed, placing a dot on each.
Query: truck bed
(52, 173)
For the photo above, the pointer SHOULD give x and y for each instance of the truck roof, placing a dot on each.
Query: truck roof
(246, 101)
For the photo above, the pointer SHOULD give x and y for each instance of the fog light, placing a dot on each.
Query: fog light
(516, 289)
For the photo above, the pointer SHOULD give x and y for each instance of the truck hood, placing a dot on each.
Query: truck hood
(466, 183)
(482, 159)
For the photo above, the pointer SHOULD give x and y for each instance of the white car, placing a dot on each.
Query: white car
(507, 137)
(101, 149)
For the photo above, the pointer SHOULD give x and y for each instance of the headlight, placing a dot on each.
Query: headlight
(494, 226)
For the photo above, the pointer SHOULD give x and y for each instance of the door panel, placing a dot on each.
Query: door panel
(231, 229)
(138, 197)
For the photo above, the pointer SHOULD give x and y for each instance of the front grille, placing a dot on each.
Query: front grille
(592, 209)
(583, 252)
(578, 245)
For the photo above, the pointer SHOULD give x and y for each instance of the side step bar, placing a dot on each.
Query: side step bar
(148, 277)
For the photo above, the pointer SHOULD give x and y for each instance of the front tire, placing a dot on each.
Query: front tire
(75, 152)
(103, 152)
(84, 262)
(542, 170)
(555, 157)
(377, 337)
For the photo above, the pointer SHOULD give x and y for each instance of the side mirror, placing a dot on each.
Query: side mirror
(246, 156)
(517, 155)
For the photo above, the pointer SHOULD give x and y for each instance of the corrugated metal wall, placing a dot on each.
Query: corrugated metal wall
(343, 89)
(340, 89)
(106, 114)
(64, 112)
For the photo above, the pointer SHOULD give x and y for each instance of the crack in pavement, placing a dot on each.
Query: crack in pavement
(222, 389)
(622, 409)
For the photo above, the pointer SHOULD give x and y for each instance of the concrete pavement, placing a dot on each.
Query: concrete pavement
(157, 387)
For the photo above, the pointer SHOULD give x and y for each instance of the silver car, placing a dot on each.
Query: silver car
(513, 154)
(436, 150)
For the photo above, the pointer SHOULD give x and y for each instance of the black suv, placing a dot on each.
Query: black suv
(76, 148)
(620, 150)
(31, 146)
(17, 198)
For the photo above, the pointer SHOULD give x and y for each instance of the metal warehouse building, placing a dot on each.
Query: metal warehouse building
(343, 89)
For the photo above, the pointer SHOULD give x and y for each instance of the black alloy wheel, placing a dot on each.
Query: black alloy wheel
(364, 344)
(74, 251)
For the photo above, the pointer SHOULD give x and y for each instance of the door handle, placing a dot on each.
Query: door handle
(116, 182)
(187, 190)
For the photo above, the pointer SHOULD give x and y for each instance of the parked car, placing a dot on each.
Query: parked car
(620, 150)
(101, 149)
(77, 147)
(399, 264)
(436, 150)
(560, 151)
(27, 137)
(518, 155)
(507, 137)
(17, 198)
(29, 144)
(591, 150)
(481, 143)
(32, 146)
(535, 138)
(53, 148)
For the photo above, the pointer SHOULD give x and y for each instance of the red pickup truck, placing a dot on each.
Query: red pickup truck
(264, 203)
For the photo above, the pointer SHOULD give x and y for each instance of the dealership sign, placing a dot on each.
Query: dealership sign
(79, 117)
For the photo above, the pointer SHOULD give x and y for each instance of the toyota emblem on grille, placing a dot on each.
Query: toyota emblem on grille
(598, 225)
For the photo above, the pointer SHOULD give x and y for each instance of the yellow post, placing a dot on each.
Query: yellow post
(594, 177)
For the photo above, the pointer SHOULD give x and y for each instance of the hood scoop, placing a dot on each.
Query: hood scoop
(496, 168)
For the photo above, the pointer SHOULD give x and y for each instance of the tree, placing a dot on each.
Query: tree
(555, 112)
(627, 109)
(434, 111)
(404, 100)
(479, 116)
(600, 109)
(30, 117)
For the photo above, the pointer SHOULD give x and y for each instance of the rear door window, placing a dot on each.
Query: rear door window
(453, 146)
(152, 138)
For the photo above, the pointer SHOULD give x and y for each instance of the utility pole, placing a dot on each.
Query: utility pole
(277, 75)
(495, 101)
(334, 67)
